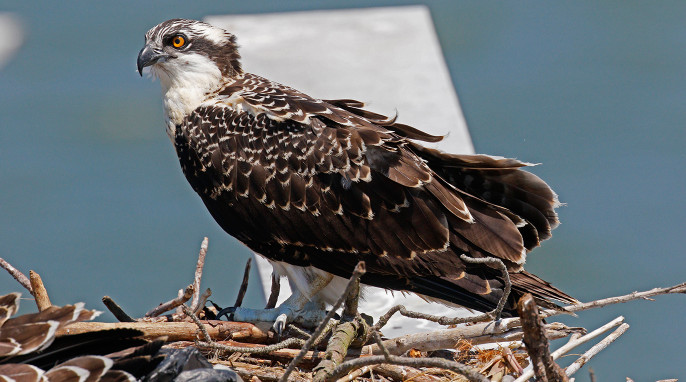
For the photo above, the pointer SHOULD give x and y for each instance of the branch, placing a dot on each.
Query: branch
(574, 367)
(14, 272)
(357, 273)
(536, 342)
(198, 274)
(244, 284)
(116, 310)
(39, 291)
(679, 288)
(171, 304)
(348, 366)
(261, 350)
(203, 300)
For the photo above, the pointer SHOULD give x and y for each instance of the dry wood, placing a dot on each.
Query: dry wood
(337, 348)
(14, 272)
(405, 373)
(177, 331)
(203, 300)
(536, 342)
(171, 304)
(244, 284)
(357, 273)
(116, 310)
(39, 291)
(198, 274)
(597, 348)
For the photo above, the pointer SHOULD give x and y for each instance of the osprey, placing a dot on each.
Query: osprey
(316, 186)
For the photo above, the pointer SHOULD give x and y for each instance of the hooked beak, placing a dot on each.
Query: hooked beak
(148, 56)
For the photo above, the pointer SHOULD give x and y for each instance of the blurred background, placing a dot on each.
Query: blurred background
(92, 196)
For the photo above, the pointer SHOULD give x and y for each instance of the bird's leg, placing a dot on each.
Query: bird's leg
(302, 308)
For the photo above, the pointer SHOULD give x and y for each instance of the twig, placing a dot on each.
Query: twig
(253, 350)
(198, 274)
(116, 310)
(14, 272)
(357, 273)
(591, 374)
(39, 291)
(274, 294)
(203, 300)
(443, 320)
(337, 348)
(536, 342)
(679, 288)
(348, 366)
(244, 284)
(506, 277)
(597, 348)
(583, 339)
(205, 336)
(171, 304)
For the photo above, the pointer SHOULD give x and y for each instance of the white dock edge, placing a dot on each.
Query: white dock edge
(390, 59)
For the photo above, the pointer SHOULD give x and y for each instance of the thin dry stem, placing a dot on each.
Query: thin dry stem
(244, 284)
(116, 310)
(14, 272)
(171, 304)
(198, 274)
(274, 294)
(597, 348)
(39, 291)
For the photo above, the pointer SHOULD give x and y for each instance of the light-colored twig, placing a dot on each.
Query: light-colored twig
(573, 343)
(198, 274)
(597, 348)
(203, 300)
(253, 350)
(116, 310)
(357, 273)
(506, 278)
(39, 291)
(14, 272)
(171, 304)
(645, 295)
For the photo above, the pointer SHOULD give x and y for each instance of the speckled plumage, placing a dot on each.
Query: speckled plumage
(325, 183)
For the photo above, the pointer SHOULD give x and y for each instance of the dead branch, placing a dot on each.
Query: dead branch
(14, 272)
(597, 348)
(404, 373)
(256, 350)
(203, 300)
(274, 294)
(116, 310)
(171, 304)
(205, 336)
(198, 274)
(536, 342)
(348, 366)
(337, 348)
(679, 288)
(443, 320)
(177, 331)
(357, 273)
(244, 284)
(39, 291)
(508, 329)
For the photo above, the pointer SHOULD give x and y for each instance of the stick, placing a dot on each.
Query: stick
(171, 304)
(176, 331)
(597, 348)
(573, 343)
(679, 288)
(357, 363)
(198, 274)
(536, 342)
(261, 350)
(203, 300)
(274, 294)
(39, 291)
(244, 284)
(205, 336)
(357, 273)
(116, 310)
(14, 272)
(506, 277)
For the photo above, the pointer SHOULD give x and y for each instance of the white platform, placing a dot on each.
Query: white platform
(389, 58)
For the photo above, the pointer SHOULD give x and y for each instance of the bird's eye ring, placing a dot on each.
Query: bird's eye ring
(178, 41)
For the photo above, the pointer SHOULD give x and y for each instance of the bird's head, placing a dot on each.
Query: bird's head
(182, 50)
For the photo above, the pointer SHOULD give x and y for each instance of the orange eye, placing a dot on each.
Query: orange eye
(178, 41)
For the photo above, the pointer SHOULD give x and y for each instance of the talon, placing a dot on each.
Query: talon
(280, 324)
(228, 312)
